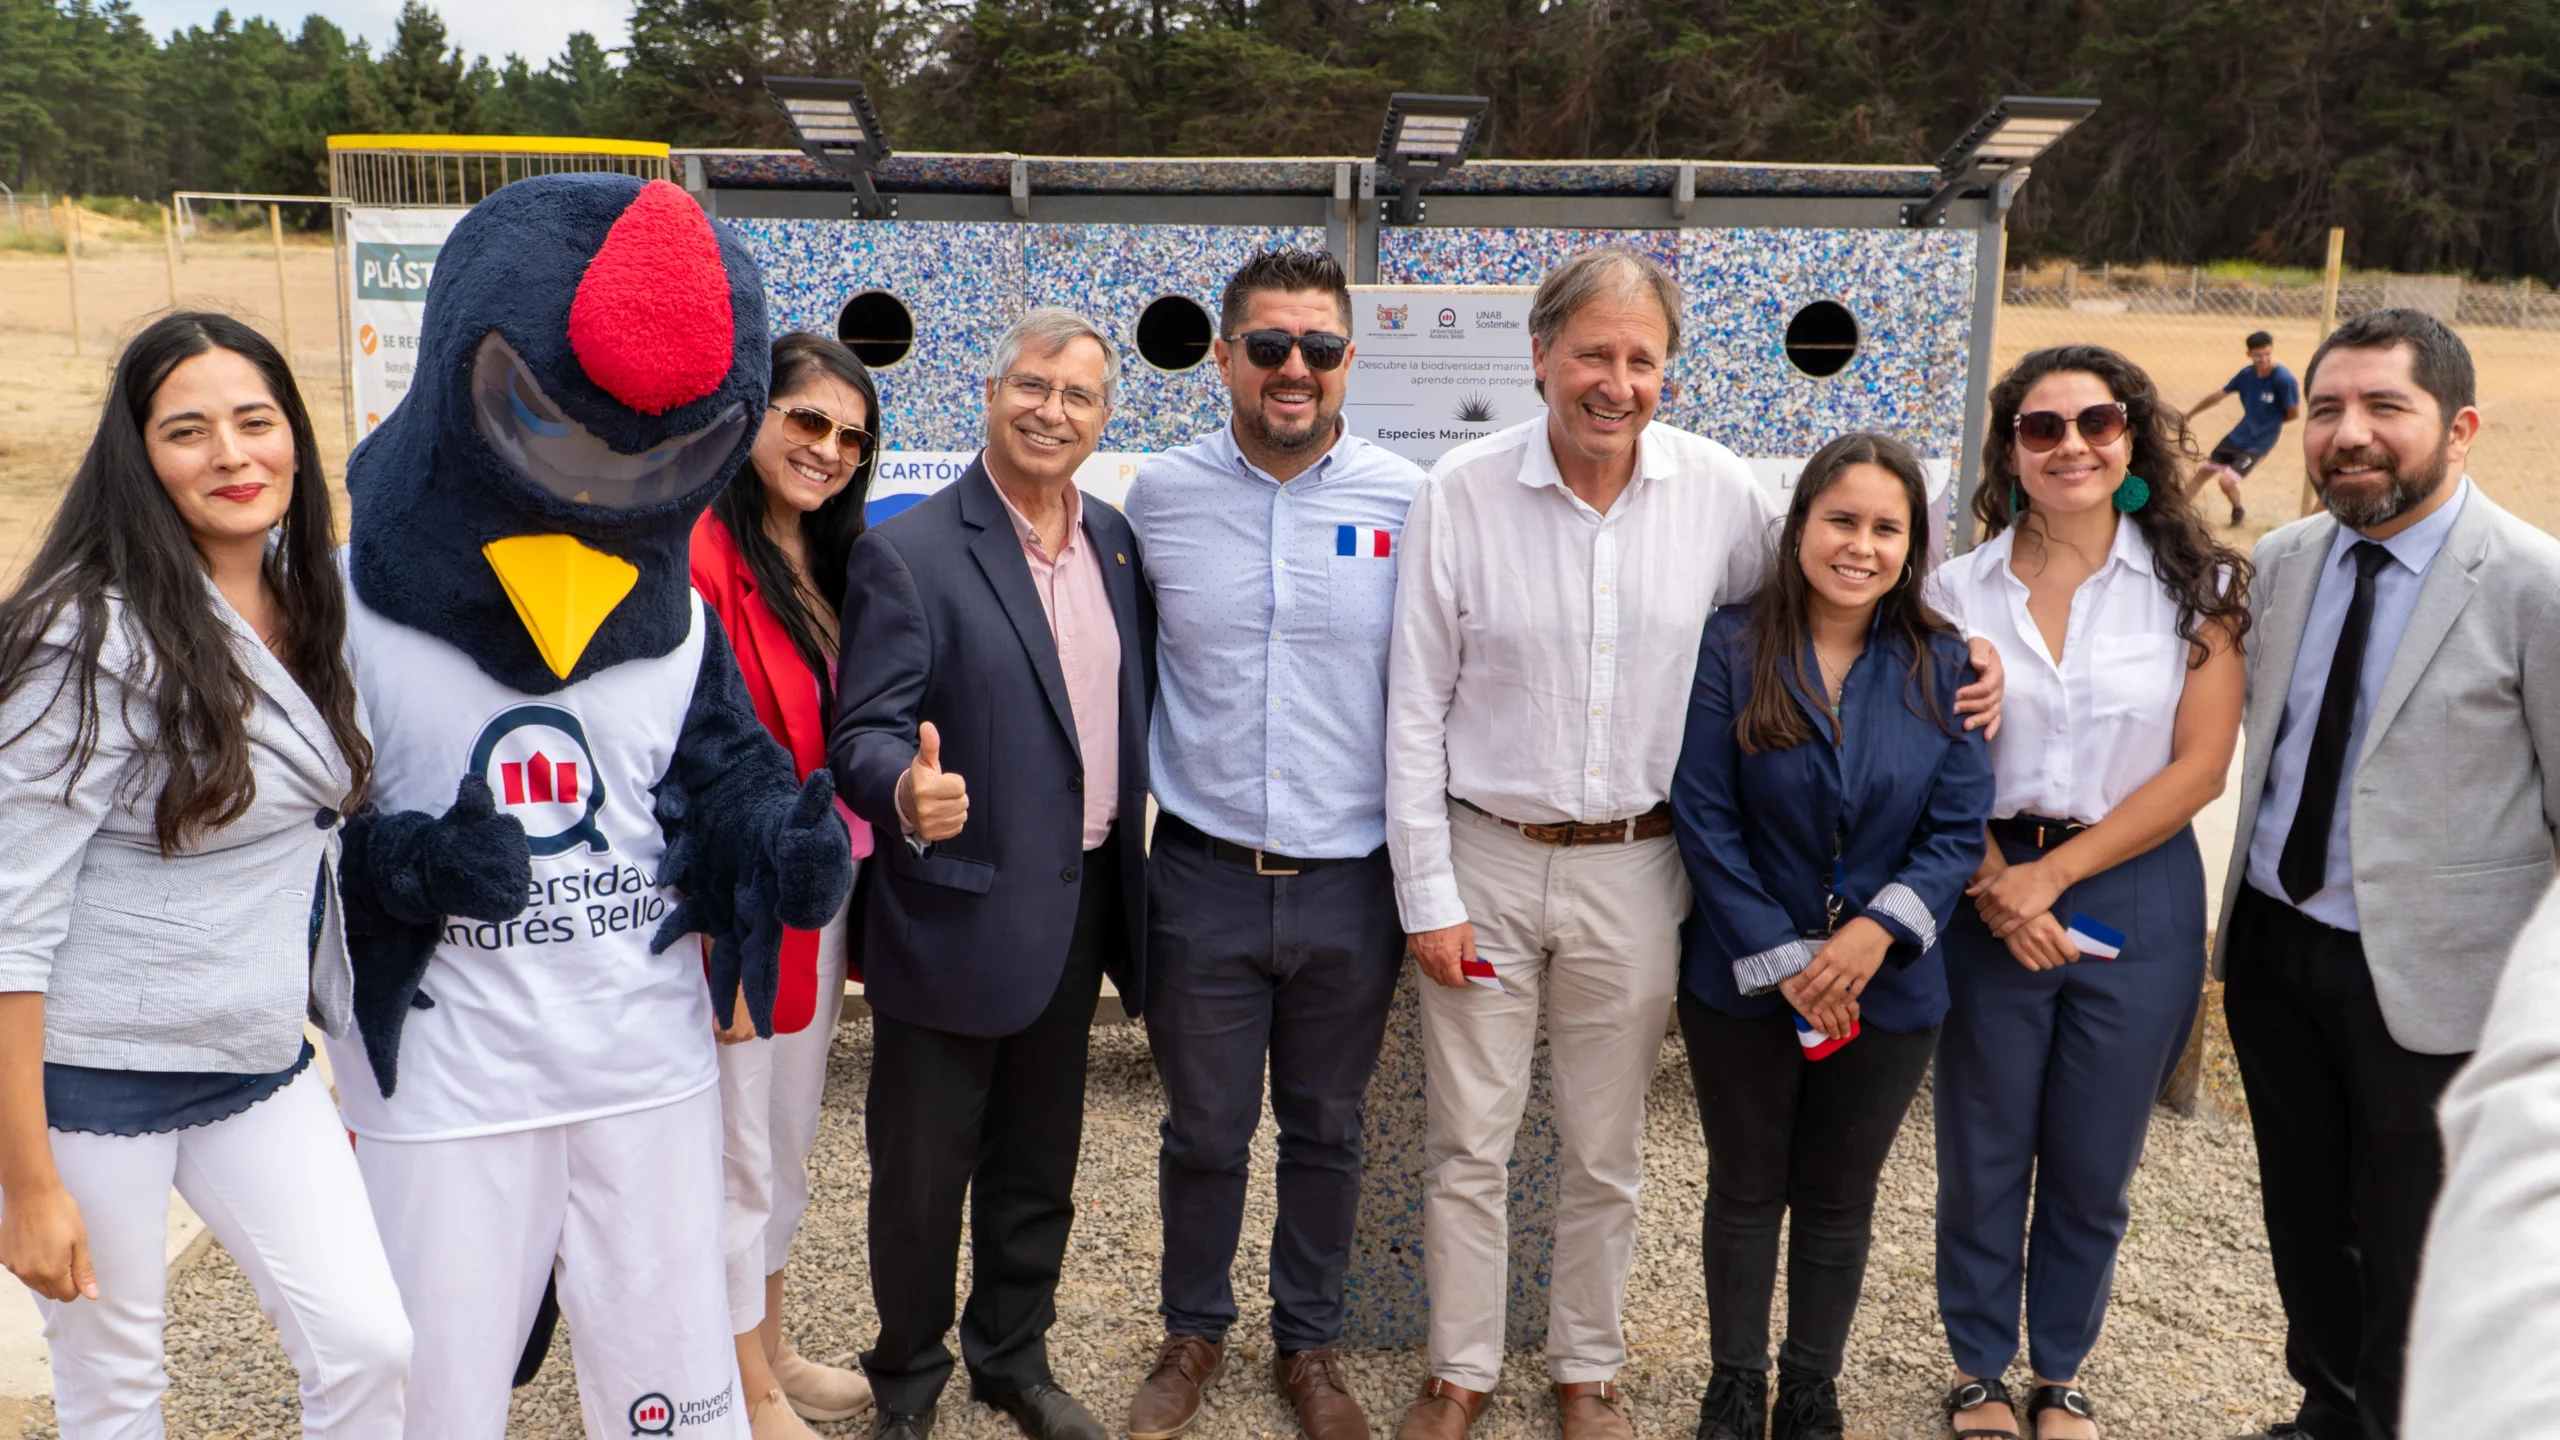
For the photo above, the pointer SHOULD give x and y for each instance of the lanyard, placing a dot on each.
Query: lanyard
(1838, 882)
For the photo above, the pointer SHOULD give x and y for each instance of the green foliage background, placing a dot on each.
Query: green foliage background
(2429, 128)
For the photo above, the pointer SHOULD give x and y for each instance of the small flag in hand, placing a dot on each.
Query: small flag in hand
(1817, 1045)
(2095, 940)
(1479, 971)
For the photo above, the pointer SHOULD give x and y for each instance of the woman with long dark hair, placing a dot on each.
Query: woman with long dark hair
(1829, 806)
(769, 559)
(180, 741)
(2077, 971)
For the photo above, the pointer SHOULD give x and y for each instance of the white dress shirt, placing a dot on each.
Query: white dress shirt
(1543, 651)
(2079, 735)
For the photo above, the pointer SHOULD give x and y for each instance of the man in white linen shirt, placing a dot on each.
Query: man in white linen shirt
(1554, 581)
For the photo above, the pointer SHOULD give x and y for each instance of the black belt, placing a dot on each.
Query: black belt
(1170, 826)
(2041, 831)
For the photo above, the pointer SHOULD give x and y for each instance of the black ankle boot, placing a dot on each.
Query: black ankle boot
(1736, 1407)
(1808, 1407)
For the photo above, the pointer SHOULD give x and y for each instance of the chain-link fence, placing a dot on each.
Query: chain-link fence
(2187, 327)
(28, 211)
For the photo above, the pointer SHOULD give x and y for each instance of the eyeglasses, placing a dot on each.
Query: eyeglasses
(802, 425)
(1269, 349)
(2041, 430)
(1032, 393)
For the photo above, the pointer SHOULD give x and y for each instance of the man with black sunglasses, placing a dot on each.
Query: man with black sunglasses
(1273, 935)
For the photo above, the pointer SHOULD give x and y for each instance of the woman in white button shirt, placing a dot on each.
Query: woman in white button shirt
(2076, 974)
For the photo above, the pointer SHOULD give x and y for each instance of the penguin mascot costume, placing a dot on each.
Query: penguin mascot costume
(569, 778)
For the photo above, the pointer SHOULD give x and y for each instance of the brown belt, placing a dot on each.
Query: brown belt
(1651, 825)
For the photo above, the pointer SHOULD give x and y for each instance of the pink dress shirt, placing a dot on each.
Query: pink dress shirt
(1088, 638)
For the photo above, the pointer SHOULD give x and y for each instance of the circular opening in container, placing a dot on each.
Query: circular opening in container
(1174, 332)
(1822, 339)
(876, 327)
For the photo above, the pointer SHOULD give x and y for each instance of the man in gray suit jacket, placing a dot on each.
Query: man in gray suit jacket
(2397, 824)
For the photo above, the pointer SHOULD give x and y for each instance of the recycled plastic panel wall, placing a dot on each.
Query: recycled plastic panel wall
(1519, 255)
(1111, 273)
(963, 283)
(1911, 292)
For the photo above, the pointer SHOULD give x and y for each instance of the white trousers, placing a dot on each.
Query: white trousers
(276, 1185)
(769, 1096)
(1594, 929)
(623, 1211)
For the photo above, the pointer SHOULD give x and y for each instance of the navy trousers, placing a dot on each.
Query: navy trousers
(992, 1127)
(2045, 1083)
(1242, 968)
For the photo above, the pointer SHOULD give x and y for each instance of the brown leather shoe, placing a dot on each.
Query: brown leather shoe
(1314, 1386)
(1443, 1413)
(1169, 1398)
(1593, 1410)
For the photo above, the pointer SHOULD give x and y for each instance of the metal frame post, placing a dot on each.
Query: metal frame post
(169, 243)
(1364, 267)
(1990, 265)
(346, 316)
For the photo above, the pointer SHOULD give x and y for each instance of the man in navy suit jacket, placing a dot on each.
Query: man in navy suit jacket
(991, 724)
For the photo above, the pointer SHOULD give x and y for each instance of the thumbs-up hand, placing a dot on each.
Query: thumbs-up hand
(935, 803)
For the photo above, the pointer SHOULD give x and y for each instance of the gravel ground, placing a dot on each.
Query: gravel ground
(2190, 1348)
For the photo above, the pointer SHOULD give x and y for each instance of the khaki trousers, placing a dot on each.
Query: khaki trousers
(1594, 929)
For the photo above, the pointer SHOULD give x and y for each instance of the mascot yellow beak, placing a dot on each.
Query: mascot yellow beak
(562, 591)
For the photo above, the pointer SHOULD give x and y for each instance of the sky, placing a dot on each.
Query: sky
(494, 28)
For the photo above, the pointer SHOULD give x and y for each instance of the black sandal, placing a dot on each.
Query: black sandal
(1979, 1392)
(2065, 1398)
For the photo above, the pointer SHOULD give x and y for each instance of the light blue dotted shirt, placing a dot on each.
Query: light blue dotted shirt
(1273, 606)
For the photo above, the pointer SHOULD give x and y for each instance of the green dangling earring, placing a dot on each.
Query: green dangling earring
(2132, 493)
(2017, 501)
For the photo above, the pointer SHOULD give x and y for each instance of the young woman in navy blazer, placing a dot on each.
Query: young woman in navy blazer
(1829, 806)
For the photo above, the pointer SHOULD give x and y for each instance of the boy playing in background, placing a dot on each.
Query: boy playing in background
(2269, 397)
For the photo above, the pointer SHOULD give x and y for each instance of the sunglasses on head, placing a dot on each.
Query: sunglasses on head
(1269, 349)
(2041, 430)
(802, 425)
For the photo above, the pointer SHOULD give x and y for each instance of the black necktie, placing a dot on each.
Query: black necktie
(2304, 865)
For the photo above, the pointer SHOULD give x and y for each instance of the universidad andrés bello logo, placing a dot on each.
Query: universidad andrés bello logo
(542, 771)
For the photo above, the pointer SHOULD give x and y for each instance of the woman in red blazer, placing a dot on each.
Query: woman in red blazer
(769, 560)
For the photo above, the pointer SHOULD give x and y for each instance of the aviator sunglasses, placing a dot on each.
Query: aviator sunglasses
(804, 426)
(1269, 349)
(2041, 430)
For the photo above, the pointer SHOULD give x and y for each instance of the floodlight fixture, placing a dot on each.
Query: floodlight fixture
(834, 122)
(2000, 145)
(1426, 137)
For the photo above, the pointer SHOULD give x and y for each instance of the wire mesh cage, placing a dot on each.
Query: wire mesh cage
(459, 171)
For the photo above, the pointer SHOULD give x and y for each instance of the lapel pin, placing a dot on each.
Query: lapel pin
(1122, 558)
